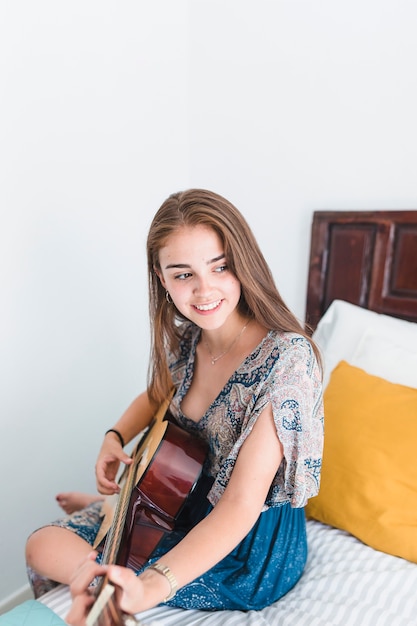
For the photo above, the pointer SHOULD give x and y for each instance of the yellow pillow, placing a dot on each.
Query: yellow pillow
(369, 475)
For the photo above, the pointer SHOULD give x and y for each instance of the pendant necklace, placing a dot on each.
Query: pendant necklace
(214, 359)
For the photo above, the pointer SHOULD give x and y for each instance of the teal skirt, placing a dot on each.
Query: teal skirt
(263, 567)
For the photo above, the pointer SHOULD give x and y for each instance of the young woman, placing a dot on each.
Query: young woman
(248, 382)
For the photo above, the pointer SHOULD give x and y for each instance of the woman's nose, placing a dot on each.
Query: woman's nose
(203, 285)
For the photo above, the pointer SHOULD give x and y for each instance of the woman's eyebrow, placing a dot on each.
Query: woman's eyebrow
(187, 266)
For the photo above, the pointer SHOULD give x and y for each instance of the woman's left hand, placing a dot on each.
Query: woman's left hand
(130, 592)
(83, 596)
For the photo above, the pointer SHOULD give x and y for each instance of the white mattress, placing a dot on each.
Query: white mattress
(345, 583)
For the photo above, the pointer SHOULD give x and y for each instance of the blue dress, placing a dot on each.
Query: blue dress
(261, 569)
(269, 561)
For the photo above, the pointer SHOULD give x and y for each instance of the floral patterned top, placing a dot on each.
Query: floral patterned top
(282, 371)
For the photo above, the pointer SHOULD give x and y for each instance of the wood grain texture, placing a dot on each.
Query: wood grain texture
(367, 258)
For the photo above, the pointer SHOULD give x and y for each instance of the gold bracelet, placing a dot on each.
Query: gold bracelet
(165, 571)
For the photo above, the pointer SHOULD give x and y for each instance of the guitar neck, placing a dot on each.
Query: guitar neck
(105, 611)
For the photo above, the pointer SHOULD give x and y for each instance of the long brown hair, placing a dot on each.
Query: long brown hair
(260, 298)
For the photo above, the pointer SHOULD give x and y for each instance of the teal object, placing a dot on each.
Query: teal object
(31, 613)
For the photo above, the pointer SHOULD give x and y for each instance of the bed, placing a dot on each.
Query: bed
(362, 528)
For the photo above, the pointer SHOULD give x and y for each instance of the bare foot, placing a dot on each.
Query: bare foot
(75, 500)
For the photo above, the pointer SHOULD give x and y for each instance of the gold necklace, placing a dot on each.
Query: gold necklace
(214, 359)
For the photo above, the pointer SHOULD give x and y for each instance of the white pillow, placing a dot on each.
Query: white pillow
(385, 358)
(341, 333)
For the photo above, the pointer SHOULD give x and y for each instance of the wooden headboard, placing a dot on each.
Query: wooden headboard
(368, 258)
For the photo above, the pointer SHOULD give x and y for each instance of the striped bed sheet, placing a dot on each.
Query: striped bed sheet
(345, 583)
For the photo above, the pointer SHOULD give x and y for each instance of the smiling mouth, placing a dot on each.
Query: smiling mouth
(207, 307)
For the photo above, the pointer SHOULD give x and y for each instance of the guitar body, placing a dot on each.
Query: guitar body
(158, 498)
(154, 504)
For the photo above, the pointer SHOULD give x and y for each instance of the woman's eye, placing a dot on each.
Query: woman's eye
(221, 268)
(182, 276)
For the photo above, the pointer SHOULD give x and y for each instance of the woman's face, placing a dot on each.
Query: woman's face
(195, 273)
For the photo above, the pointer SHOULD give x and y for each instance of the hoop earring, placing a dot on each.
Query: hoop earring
(168, 297)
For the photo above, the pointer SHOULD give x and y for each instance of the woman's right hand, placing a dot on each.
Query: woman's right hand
(137, 416)
(131, 594)
(108, 462)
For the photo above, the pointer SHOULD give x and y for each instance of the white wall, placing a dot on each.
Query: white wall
(93, 137)
(283, 106)
(299, 105)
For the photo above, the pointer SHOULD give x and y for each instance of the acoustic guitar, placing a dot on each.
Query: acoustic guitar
(167, 463)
